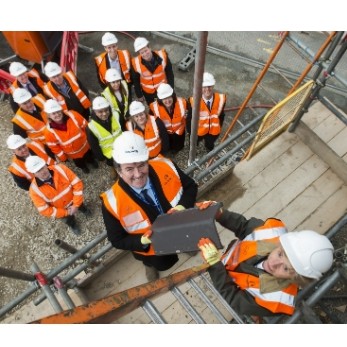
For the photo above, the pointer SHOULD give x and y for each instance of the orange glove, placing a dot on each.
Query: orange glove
(204, 204)
(176, 209)
(209, 251)
(145, 238)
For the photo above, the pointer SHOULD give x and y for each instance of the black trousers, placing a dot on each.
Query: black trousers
(87, 158)
(209, 141)
(176, 141)
(159, 262)
(149, 97)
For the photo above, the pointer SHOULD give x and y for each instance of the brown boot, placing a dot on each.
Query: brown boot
(151, 274)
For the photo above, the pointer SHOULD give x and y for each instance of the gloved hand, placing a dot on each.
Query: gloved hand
(209, 251)
(176, 209)
(204, 204)
(145, 238)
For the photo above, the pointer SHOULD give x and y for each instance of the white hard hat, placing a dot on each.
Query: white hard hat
(109, 39)
(52, 69)
(208, 80)
(139, 43)
(112, 75)
(16, 69)
(164, 91)
(310, 253)
(136, 107)
(34, 163)
(15, 141)
(21, 95)
(99, 103)
(51, 106)
(128, 148)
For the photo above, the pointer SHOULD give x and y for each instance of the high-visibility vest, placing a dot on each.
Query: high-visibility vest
(33, 127)
(71, 143)
(17, 166)
(150, 81)
(111, 98)
(124, 62)
(176, 124)
(280, 300)
(53, 201)
(105, 137)
(132, 217)
(150, 135)
(33, 73)
(72, 81)
(209, 119)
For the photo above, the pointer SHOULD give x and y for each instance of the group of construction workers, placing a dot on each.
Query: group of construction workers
(55, 120)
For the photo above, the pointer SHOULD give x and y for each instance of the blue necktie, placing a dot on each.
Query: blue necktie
(31, 89)
(146, 197)
(209, 105)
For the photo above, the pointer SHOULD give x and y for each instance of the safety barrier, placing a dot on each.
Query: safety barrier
(278, 118)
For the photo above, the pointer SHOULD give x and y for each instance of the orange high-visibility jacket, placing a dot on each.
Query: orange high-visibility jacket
(17, 166)
(280, 300)
(33, 127)
(71, 79)
(130, 214)
(150, 81)
(124, 62)
(53, 201)
(150, 134)
(33, 73)
(71, 143)
(176, 124)
(209, 119)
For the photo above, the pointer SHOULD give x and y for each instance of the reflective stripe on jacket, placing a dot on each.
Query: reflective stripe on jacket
(150, 134)
(111, 98)
(53, 201)
(130, 214)
(209, 119)
(71, 80)
(17, 166)
(104, 137)
(33, 73)
(71, 143)
(124, 62)
(281, 298)
(150, 81)
(33, 127)
(176, 124)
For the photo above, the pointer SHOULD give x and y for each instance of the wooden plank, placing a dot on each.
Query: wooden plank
(288, 190)
(326, 214)
(264, 157)
(271, 176)
(329, 128)
(127, 273)
(338, 143)
(316, 114)
(137, 316)
(320, 147)
(310, 199)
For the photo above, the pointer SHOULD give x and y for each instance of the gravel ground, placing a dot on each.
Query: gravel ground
(25, 235)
